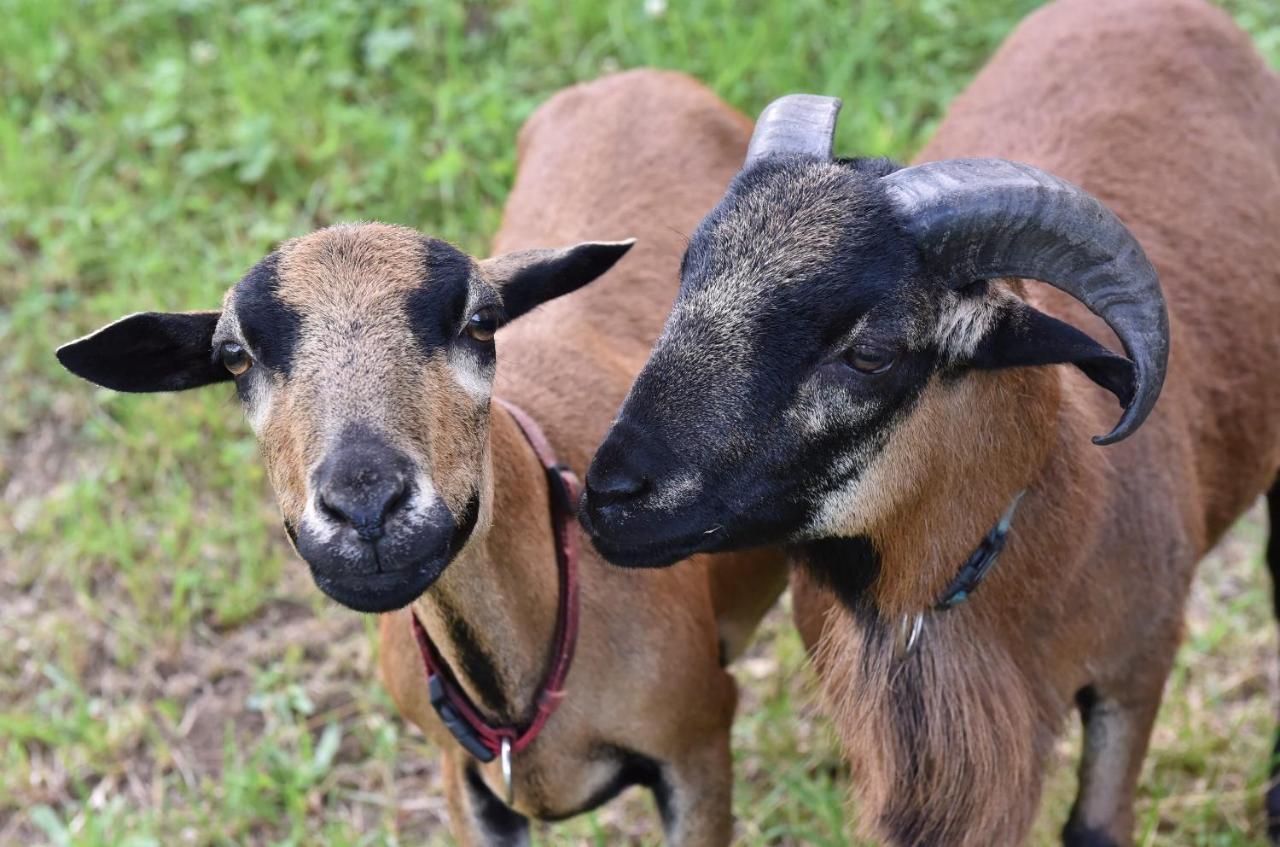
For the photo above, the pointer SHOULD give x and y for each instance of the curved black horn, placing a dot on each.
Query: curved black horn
(979, 219)
(798, 125)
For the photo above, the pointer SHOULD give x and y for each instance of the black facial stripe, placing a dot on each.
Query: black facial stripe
(793, 476)
(435, 307)
(243, 392)
(270, 327)
(872, 434)
(792, 325)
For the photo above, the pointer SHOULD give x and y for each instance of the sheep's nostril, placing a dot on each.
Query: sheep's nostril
(616, 485)
(624, 468)
(365, 505)
(398, 501)
(331, 512)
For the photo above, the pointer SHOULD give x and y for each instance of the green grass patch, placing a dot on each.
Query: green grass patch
(169, 676)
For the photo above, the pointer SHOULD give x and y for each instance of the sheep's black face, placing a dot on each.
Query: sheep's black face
(802, 332)
(811, 374)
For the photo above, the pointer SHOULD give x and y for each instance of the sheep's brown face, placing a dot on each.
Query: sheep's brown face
(364, 358)
(804, 364)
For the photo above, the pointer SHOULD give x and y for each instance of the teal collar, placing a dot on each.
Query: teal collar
(980, 561)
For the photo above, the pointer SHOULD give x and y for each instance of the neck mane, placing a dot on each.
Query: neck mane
(942, 733)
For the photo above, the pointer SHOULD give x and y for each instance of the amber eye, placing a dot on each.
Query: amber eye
(869, 360)
(483, 324)
(234, 358)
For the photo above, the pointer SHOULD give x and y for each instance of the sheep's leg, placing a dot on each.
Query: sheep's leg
(1116, 733)
(695, 796)
(1273, 564)
(478, 817)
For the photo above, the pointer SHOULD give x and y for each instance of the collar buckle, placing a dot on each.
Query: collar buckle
(508, 784)
(909, 629)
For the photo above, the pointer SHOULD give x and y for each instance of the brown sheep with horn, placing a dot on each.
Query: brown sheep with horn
(855, 368)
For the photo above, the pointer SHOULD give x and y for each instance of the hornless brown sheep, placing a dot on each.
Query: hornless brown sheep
(365, 358)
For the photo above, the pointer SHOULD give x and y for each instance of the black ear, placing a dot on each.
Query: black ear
(529, 278)
(1025, 336)
(149, 351)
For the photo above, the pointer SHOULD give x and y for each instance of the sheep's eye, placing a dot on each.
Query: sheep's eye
(869, 360)
(483, 324)
(234, 358)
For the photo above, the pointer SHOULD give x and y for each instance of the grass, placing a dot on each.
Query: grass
(169, 675)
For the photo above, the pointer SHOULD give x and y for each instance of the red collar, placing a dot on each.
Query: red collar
(459, 714)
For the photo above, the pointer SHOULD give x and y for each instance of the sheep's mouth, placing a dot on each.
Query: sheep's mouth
(392, 572)
(652, 551)
(633, 536)
(380, 592)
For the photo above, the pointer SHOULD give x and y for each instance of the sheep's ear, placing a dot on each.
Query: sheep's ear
(149, 351)
(1024, 336)
(529, 278)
